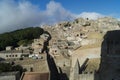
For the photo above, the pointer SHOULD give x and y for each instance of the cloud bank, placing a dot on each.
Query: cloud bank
(17, 15)
(90, 15)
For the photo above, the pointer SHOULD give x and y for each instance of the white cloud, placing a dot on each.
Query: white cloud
(90, 15)
(16, 15)
(118, 19)
(55, 13)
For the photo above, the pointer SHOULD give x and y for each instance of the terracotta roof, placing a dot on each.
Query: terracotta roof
(35, 76)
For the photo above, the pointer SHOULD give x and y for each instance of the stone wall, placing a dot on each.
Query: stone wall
(76, 71)
(10, 76)
(10, 55)
(87, 76)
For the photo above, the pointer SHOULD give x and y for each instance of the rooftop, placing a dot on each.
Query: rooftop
(35, 76)
(40, 65)
(40, 69)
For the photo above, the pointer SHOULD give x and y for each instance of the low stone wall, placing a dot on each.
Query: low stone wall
(87, 76)
(10, 76)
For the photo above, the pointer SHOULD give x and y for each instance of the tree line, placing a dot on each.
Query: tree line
(19, 37)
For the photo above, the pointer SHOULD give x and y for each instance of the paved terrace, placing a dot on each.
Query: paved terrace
(40, 69)
(82, 55)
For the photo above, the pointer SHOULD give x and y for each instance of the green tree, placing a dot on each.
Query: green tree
(19, 37)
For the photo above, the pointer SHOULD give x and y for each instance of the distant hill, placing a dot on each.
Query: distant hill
(19, 37)
(84, 29)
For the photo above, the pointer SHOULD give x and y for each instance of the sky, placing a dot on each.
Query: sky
(17, 14)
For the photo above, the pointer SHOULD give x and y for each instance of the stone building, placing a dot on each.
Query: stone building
(36, 69)
(110, 56)
(63, 66)
(9, 48)
(13, 54)
(54, 51)
(88, 70)
(37, 45)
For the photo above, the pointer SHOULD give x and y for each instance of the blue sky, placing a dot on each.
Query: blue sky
(17, 14)
(107, 7)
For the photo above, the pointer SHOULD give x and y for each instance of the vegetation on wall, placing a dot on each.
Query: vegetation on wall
(7, 67)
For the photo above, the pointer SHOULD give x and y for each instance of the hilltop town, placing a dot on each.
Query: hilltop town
(70, 50)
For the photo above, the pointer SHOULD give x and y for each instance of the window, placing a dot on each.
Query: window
(91, 72)
(9, 55)
(66, 47)
(31, 69)
(12, 55)
(55, 50)
(15, 55)
(6, 55)
(77, 35)
(81, 34)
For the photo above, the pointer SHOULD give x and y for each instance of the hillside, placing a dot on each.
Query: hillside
(19, 37)
(83, 31)
(80, 32)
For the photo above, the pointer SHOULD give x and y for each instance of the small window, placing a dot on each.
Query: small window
(9, 55)
(91, 72)
(6, 55)
(55, 50)
(66, 47)
(77, 35)
(12, 55)
(81, 34)
(31, 69)
(15, 55)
